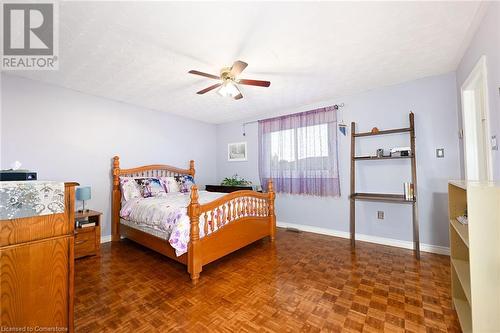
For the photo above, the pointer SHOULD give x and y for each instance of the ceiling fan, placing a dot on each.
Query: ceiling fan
(228, 85)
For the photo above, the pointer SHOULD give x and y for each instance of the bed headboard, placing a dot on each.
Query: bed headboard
(154, 170)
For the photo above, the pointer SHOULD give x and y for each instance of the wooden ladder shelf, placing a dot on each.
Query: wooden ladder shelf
(382, 197)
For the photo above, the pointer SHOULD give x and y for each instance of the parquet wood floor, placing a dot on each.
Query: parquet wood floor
(305, 282)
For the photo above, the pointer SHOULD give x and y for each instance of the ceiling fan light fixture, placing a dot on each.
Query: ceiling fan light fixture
(228, 89)
(228, 81)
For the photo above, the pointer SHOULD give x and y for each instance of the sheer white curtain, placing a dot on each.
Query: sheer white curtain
(299, 153)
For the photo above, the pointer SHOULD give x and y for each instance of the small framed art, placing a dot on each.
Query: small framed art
(237, 152)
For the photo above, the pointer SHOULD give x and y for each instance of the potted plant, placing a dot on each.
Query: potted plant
(235, 180)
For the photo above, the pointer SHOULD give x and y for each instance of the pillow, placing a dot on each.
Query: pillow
(129, 188)
(185, 182)
(150, 187)
(170, 184)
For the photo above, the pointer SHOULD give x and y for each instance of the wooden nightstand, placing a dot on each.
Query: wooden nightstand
(88, 240)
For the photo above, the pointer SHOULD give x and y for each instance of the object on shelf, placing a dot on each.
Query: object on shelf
(380, 153)
(84, 223)
(400, 151)
(375, 130)
(463, 219)
(408, 191)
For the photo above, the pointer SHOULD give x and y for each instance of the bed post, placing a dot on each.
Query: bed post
(194, 253)
(116, 198)
(191, 168)
(272, 216)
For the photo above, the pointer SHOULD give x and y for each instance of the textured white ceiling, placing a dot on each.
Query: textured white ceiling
(140, 52)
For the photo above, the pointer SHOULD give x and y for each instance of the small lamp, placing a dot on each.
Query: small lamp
(82, 194)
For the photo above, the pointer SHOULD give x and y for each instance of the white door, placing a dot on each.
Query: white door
(475, 124)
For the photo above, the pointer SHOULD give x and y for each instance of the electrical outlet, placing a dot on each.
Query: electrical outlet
(380, 215)
(440, 152)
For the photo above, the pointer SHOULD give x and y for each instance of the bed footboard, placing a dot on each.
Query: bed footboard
(230, 223)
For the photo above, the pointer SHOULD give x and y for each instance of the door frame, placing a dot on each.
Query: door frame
(479, 72)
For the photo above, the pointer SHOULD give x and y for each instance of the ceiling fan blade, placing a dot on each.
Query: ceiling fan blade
(204, 74)
(239, 96)
(255, 83)
(201, 92)
(238, 67)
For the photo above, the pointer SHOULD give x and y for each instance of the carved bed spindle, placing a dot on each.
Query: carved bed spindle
(115, 225)
(205, 223)
(194, 258)
(229, 219)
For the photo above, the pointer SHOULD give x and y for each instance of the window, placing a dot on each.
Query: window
(297, 144)
(299, 152)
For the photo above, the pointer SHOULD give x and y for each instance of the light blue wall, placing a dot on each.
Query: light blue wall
(486, 42)
(434, 102)
(66, 135)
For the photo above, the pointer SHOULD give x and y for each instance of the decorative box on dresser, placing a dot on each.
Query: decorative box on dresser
(475, 254)
(36, 256)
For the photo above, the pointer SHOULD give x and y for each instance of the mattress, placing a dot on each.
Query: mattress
(165, 217)
(144, 228)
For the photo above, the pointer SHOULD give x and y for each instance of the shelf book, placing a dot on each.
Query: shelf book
(475, 254)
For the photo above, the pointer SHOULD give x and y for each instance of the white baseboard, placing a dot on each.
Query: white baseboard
(343, 234)
(105, 239)
(367, 238)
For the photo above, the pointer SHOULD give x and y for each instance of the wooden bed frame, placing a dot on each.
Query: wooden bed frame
(241, 217)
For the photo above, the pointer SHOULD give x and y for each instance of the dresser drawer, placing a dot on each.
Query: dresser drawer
(85, 243)
(28, 229)
(36, 290)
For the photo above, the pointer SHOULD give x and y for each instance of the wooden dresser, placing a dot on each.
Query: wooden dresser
(36, 258)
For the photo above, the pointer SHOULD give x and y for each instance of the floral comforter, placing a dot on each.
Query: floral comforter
(167, 214)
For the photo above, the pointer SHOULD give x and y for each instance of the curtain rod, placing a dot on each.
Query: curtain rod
(335, 106)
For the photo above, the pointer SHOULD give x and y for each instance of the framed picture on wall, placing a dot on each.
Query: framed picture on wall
(237, 152)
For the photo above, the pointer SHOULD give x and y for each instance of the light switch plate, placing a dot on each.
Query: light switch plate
(494, 143)
(380, 215)
(440, 152)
